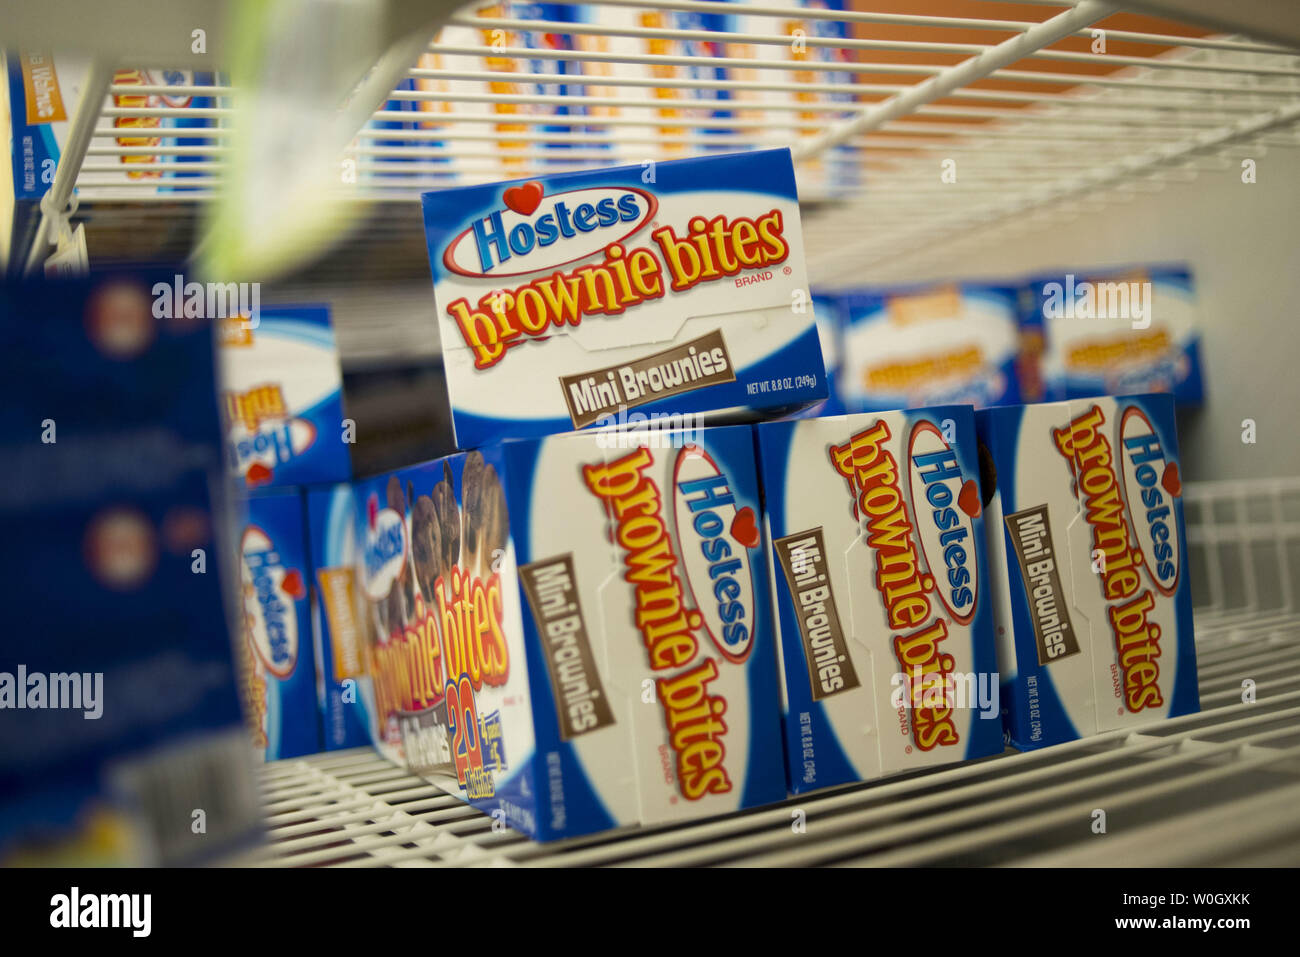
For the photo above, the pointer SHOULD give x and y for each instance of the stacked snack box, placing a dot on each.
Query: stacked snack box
(275, 651)
(673, 293)
(281, 391)
(120, 711)
(884, 609)
(281, 399)
(931, 344)
(1089, 553)
(345, 695)
(573, 632)
(1118, 331)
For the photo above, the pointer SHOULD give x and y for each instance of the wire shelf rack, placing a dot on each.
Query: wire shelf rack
(1215, 788)
(930, 128)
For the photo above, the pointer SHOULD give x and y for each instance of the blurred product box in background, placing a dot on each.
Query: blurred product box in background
(1117, 332)
(913, 346)
(275, 659)
(282, 398)
(119, 717)
(828, 311)
(345, 695)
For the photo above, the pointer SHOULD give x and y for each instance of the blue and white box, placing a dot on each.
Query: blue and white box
(1088, 554)
(882, 594)
(575, 631)
(913, 346)
(275, 654)
(587, 299)
(1119, 331)
(282, 397)
(119, 712)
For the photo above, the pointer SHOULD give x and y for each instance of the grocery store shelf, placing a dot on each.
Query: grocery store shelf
(1215, 788)
(1031, 115)
(914, 131)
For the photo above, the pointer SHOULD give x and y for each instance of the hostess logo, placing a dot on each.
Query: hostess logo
(1151, 485)
(270, 590)
(384, 552)
(946, 506)
(715, 538)
(256, 455)
(535, 232)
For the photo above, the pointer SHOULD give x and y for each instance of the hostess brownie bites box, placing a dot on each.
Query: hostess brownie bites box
(574, 631)
(282, 398)
(659, 550)
(275, 650)
(452, 693)
(1088, 549)
(882, 595)
(571, 300)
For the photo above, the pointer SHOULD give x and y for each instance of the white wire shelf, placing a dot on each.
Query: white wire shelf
(1026, 112)
(1215, 788)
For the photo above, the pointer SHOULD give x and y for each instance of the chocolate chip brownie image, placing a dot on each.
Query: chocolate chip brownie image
(426, 547)
(486, 519)
(401, 599)
(447, 513)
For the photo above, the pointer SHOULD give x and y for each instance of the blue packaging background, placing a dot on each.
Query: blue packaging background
(999, 430)
(45, 148)
(140, 433)
(829, 310)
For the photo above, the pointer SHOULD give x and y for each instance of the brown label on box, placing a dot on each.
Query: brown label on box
(603, 392)
(803, 562)
(1049, 606)
(338, 595)
(580, 700)
(41, 85)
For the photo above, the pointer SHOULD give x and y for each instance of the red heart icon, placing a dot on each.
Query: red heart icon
(292, 585)
(744, 529)
(525, 198)
(969, 498)
(257, 474)
(1170, 480)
